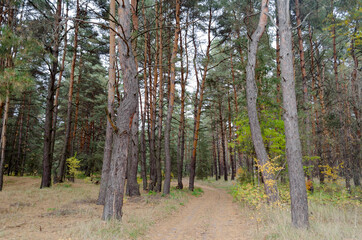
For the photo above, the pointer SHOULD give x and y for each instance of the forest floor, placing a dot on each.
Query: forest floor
(68, 211)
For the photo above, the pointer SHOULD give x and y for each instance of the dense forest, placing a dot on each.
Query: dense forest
(135, 94)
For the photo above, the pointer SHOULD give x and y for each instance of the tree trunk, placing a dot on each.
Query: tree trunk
(152, 118)
(68, 121)
(214, 154)
(107, 154)
(298, 193)
(145, 111)
(181, 133)
(305, 86)
(160, 102)
(74, 135)
(251, 94)
(25, 146)
(55, 111)
(230, 141)
(20, 142)
(166, 187)
(48, 128)
(3, 137)
(132, 188)
(198, 113)
(126, 112)
(223, 141)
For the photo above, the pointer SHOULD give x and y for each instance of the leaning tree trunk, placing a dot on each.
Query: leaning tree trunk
(298, 193)
(110, 102)
(167, 182)
(48, 128)
(68, 122)
(251, 94)
(126, 112)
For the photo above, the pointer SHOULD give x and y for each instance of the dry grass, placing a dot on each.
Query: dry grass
(328, 221)
(68, 211)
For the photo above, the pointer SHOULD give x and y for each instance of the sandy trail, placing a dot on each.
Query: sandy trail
(210, 216)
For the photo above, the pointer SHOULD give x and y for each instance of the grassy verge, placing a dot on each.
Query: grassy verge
(333, 212)
(68, 211)
(140, 214)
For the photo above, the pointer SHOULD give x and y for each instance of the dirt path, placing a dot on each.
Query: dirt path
(210, 216)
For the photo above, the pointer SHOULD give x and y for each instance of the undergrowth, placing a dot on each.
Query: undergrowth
(334, 212)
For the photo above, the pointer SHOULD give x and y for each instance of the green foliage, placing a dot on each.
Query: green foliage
(272, 133)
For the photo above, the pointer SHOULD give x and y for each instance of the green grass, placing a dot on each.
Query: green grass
(197, 192)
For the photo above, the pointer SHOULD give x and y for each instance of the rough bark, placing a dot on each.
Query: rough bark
(107, 154)
(48, 128)
(126, 112)
(298, 193)
(167, 182)
(132, 188)
(251, 94)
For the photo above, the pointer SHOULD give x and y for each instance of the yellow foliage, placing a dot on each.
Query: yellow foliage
(73, 165)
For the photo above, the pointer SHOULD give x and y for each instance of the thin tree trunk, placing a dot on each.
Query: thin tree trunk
(356, 96)
(3, 138)
(19, 152)
(223, 141)
(305, 86)
(48, 128)
(145, 111)
(181, 133)
(126, 112)
(74, 137)
(230, 141)
(198, 113)
(214, 155)
(298, 193)
(251, 94)
(152, 119)
(25, 146)
(68, 121)
(166, 187)
(160, 102)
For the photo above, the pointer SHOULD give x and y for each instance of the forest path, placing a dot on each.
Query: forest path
(213, 215)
